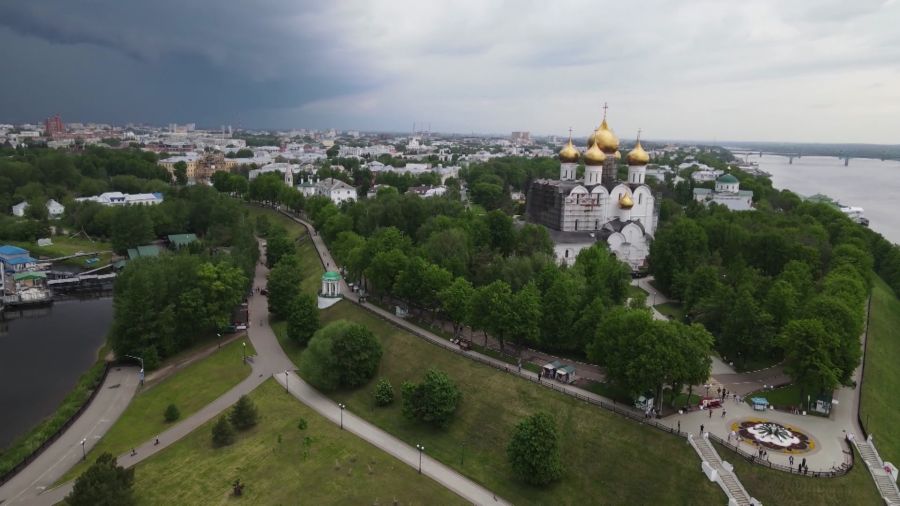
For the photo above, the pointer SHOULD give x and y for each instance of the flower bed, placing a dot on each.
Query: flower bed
(774, 436)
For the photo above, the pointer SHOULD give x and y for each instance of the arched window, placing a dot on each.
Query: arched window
(567, 253)
(640, 198)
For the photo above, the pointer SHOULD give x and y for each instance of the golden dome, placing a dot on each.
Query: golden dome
(638, 156)
(594, 156)
(568, 154)
(606, 139)
(618, 155)
(625, 202)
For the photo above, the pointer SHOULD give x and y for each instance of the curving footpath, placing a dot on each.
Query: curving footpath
(115, 394)
(271, 361)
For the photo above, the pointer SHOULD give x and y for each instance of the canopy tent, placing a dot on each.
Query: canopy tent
(550, 369)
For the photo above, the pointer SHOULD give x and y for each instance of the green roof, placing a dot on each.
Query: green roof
(19, 276)
(149, 250)
(331, 276)
(727, 178)
(180, 240)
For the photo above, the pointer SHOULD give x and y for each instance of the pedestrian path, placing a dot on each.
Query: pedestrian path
(114, 395)
(721, 472)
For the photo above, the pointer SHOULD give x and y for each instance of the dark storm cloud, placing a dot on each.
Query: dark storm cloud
(162, 61)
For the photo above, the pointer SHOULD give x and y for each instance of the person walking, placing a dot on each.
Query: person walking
(723, 413)
(710, 413)
(701, 429)
(156, 443)
(679, 426)
(791, 460)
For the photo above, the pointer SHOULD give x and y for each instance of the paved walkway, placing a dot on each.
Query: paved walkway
(116, 392)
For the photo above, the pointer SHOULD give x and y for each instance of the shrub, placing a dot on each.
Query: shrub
(222, 432)
(341, 354)
(302, 425)
(433, 401)
(172, 413)
(105, 482)
(384, 393)
(243, 415)
(533, 450)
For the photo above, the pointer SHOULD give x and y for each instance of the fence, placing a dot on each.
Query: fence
(862, 369)
(752, 458)
(59, 432)
(627, 412)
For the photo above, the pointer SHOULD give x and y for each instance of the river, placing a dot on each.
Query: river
(871, 184)
(42, 357)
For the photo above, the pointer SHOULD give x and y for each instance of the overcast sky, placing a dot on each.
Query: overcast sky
(768, 70)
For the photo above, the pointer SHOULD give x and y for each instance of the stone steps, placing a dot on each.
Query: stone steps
(726, 478)
(884, 482)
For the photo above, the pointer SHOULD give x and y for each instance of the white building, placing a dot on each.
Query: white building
(727, 193)
(124, 199)
(274, 167)
(427, 192)
(336, 190)
(704, 175)
(54, 209)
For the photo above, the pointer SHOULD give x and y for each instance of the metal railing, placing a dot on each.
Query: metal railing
(752, 458)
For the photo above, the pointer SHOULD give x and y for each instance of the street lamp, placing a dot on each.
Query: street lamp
(245, 351)
(421, 449)
(220, 339)
(286, 381)
(141, 374)
(342, 406)
(83, 453)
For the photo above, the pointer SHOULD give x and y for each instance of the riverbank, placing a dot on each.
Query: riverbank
(25, 447)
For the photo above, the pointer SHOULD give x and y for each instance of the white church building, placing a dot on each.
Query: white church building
(727, 193)
(597, 207)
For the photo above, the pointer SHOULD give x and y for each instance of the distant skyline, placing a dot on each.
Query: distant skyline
(800, 71)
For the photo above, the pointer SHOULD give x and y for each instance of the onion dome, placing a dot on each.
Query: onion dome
(568, 154)
(618, 155)
(606, 139)
(638, 156)
(625, 201)
(594, 156)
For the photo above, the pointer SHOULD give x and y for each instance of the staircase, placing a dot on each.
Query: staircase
(722, 473)
(885, 483)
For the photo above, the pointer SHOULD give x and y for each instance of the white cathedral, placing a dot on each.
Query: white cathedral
(597, 207)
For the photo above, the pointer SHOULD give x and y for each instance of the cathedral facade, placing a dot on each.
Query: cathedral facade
(598, 206)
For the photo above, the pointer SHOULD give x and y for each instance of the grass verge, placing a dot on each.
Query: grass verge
(282, 464)
(65, 246)
(32, 440)
(607, 459)
(879, 409)
(673, 310)
(189, 389)
(778, 487)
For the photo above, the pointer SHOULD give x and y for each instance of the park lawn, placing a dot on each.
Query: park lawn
(65, 246)
(879, 408)
(607, 459)
(294, 229)
(636, 291)
(273, 462)
(778, 487)
(189, 389)
(781, 398)
(674, 310)
(310, 266)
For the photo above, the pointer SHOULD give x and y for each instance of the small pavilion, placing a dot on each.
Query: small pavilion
(331, 289)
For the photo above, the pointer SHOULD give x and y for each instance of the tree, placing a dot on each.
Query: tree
(455, 301)
(303, 319)
(526, 314)
(278, 245)
(284, 285)
(491, 310)
(433, 401)
(222, 432)
(384, 392)
(131, 227)
(243, 414)
(341, 354)
(384, 269)
(179, 170)
(533, 450)
(105, 483)
(808, 350)
(172, 413)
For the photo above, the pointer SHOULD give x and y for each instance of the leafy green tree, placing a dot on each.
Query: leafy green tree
(434, 401)
(303, 319)
(37, 209)
(222, 432)
(533, 450)
(172, 413)
(278, 245)
(384, 392)
(284, 285)
(105, 483)
(526, 315)
(808, 349)
(341, 354)
(243, 414)
(179, 170)
(384, 269)
(131, 227)
(502, 233)
(455, 300)
(491, 310)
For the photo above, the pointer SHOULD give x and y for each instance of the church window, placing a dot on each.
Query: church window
(640, 198)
